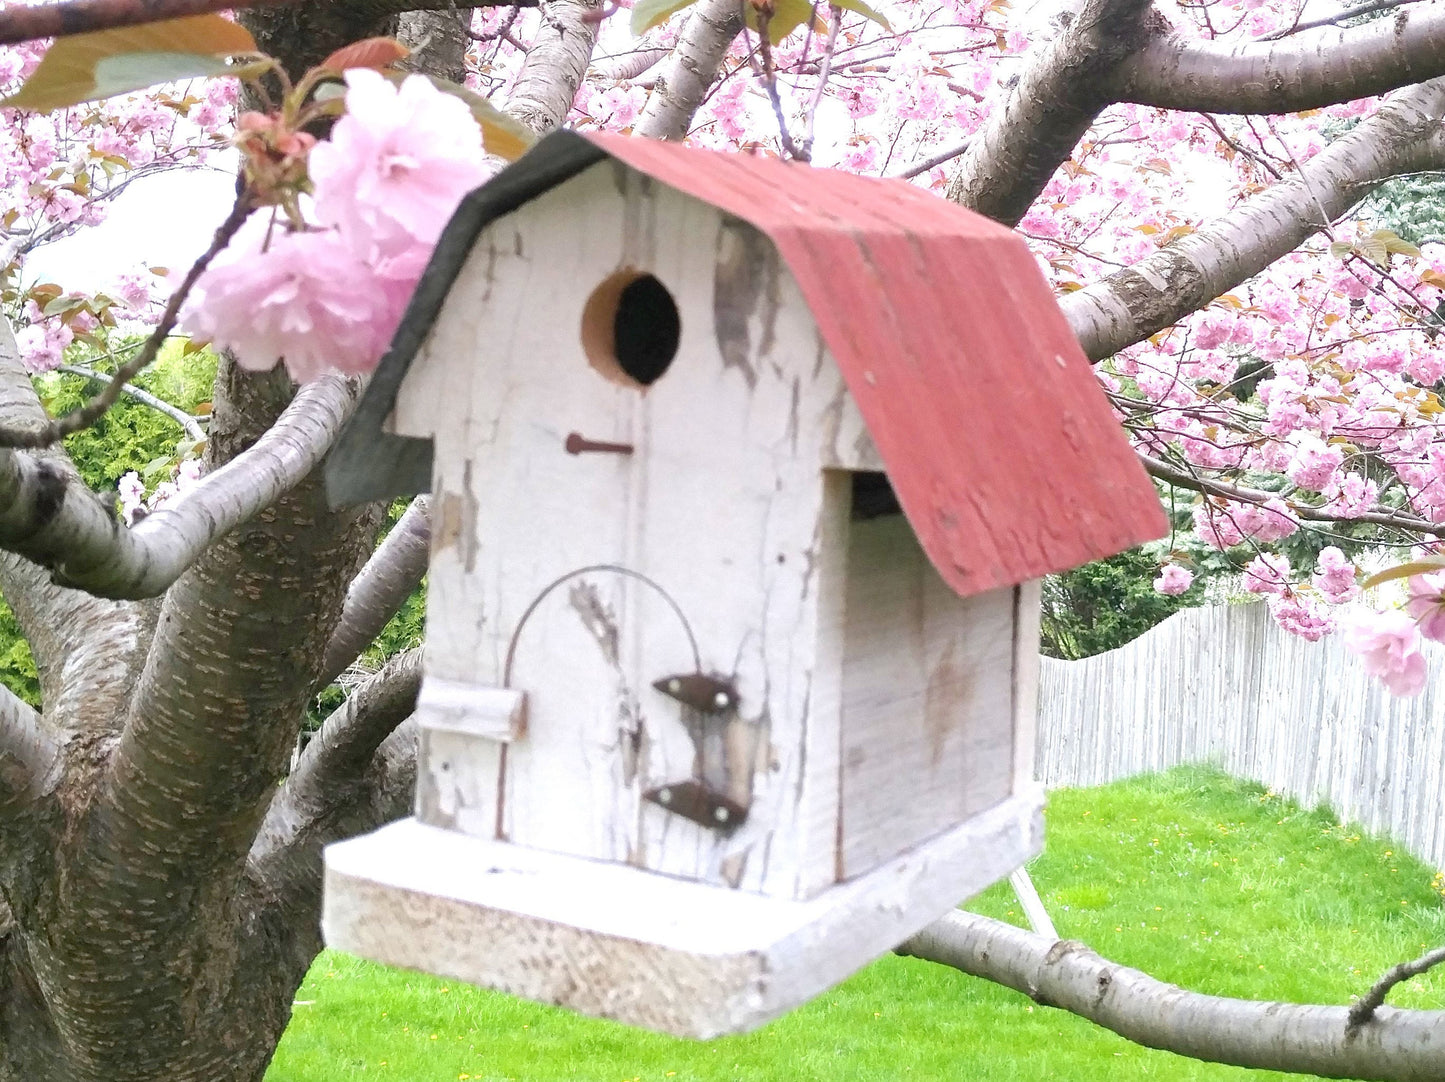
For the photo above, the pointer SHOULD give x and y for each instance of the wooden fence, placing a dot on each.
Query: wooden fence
(1225, 685)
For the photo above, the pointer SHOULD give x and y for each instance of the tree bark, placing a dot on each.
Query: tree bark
(556, 64)
(1058, 94)
(1394, 1046)
(375, 595)
(35, 21)
(1303, 71)
(706, 36)
(50, 516)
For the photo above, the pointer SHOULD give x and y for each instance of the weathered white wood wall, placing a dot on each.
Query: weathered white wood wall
(1225, 685)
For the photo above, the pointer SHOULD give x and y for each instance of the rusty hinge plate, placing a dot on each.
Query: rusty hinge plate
(695, 801)
(708, 694)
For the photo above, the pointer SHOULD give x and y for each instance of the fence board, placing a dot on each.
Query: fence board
(1225, 685)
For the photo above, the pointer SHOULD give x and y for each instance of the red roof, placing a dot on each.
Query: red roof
(997, 438)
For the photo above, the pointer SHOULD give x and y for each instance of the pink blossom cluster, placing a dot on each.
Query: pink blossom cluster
(1389, 647)
(1389, 643)
(134, 503)
(1300, 615)
(1173, 579)
(328, 297)
(1334, 576)
(60, 170)
(1268, 573)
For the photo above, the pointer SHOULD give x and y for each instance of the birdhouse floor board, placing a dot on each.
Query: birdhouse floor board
(614, 941)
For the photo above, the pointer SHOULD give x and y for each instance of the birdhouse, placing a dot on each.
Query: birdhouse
(743, 477)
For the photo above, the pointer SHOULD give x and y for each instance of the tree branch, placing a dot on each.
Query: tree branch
(1213, 487)
(312, 807)
(1396, 1046)
(34, 21)
(706, 35)
(1338, 17)
(630, 65)
(1059, 93)
(379, 591)
(1366, 1006)
(1131, 304)
(29, 757)
(1303, 71)
(48, 516)
(555, 65)
(70, 633)
(160, 405)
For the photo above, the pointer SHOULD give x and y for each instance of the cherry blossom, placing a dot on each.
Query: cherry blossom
(303, 297)
(396, 165)
(1334, 576)
(1173, 579)
(1267, 573)
(1389, 646)
(1427, 604)
(1300, 616)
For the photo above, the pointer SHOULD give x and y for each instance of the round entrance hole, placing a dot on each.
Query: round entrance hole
(631, 328)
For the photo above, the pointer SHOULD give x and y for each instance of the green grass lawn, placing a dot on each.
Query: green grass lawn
(1211, 884)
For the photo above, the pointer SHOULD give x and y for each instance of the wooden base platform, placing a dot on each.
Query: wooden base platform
(649, 950)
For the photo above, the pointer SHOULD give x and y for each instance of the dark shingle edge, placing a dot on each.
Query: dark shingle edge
(369, 463)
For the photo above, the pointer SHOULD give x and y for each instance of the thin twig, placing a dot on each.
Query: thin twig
(835, 24)
(502, 31)
(769, 75)
(1240, 148)
(1338, 17)
(1210, 487)
(934, 160)
(1365, 1007)
(88, 414)
(145, 398)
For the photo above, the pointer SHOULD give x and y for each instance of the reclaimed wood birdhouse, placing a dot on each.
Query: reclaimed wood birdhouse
(743, 475)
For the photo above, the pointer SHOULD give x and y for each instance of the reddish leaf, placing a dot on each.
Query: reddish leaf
(88, 67)
(371, 53)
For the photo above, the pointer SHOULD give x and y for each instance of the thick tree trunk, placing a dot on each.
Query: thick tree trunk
(137, 943)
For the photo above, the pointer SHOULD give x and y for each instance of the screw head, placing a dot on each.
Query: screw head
(664, 796)
(720, 814)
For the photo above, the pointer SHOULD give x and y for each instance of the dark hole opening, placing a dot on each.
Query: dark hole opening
(645, 330)
(873, 496)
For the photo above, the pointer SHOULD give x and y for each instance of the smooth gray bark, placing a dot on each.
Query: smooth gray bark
(50, 517)
(374, 597)
(685, 77)
(1395, 1046)
(555, 65)
(1303, 71)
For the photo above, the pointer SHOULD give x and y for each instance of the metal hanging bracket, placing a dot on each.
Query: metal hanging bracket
(704, 798)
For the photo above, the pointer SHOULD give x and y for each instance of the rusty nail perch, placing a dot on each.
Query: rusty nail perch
(577, 444)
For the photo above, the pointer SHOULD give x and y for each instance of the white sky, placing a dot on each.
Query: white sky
(164, 220)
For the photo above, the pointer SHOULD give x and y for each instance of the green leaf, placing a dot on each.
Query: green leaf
(864, 10)
(649, 13)
(1426, 565)
(156, 465)
(88, 67)
(1342, 249)
(1374, 250)
(501, 135)
(61, 305)
(787, 16)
